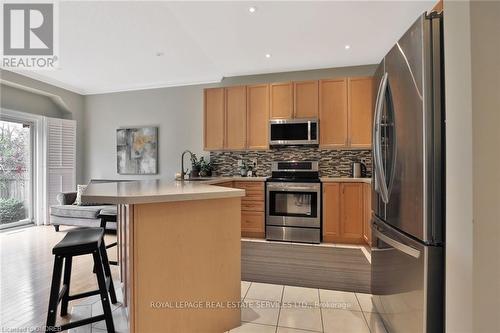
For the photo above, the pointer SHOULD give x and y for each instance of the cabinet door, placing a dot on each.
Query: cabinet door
(258, 116)
(214, 119)
(305, 94)
(236, 118)
(367, 200)
(281, 100)
(360, 111)
(333, 113)
(331, 212)
(252, 224)
(351, 210)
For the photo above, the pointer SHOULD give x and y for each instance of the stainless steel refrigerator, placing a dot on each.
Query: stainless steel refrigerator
(408, 185)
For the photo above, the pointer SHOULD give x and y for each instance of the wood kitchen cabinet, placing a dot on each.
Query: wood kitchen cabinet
(258, 117)
(333, 113)
(252, 209)
(236, 118)
(345, 112)
(331, 212)
(360, 102)
(281, 106)
(343, 213)
(305, 98)
(367, 200)
(214, 119)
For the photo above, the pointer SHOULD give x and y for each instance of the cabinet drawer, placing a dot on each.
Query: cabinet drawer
(254, 191)
(250, 205)
(250, 185)
(254, 195)
(252, 221)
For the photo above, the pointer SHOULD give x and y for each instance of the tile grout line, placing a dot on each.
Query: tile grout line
(279, 311)
(363, 312)
(321, 312)
(248, 289)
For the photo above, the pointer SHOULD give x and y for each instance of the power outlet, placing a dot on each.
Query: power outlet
(253, 163)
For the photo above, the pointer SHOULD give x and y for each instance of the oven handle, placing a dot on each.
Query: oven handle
(292, 188)
(397, 245)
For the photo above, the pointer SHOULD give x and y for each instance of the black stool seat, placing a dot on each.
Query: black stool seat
(79, 241)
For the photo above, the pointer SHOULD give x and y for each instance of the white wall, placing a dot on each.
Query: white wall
(459, 306)
(485, 57)
(178, 112)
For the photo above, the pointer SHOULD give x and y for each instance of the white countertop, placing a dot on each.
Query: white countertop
(345, 180)
(153, 191)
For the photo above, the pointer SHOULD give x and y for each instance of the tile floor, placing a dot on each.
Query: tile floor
(270, 308)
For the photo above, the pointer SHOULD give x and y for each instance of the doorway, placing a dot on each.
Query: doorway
(16, 173)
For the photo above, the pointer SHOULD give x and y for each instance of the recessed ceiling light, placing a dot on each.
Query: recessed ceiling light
(252, 9)
(268, 55)
(347, 47)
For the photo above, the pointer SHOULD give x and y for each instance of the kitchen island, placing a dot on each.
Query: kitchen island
(179, 253)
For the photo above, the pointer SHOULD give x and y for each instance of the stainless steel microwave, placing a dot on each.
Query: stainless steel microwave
(293, 132)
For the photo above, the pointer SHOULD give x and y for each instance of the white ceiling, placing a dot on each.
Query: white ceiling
(113, 46)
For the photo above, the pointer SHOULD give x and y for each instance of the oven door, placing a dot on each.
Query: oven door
(293, 204)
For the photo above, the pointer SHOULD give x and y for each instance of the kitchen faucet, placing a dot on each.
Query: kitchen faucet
(182, 162)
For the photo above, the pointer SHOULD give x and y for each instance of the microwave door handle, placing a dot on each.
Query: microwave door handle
(308, 131)
(397, 245)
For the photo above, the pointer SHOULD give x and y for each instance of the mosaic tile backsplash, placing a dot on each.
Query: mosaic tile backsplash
(332, 163)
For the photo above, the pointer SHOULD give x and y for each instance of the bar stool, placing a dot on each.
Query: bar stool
(76, 243)
(108, 215)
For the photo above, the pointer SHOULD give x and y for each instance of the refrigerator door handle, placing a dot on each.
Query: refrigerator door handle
(397, 245)
(374, 140)
(380, 180)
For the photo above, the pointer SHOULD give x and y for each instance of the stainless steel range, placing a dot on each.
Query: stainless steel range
(293, 210)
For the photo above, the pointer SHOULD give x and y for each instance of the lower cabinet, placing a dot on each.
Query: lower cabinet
(367, 230)
(343, 213)
(252, 207)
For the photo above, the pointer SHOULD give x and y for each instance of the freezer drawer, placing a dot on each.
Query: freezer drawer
(407, 281)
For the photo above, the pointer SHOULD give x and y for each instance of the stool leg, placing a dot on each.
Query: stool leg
(101, 281)
(107, 271)
(66, 281)
(54, 294)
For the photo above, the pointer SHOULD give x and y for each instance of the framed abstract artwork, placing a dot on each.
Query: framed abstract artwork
(137, 150)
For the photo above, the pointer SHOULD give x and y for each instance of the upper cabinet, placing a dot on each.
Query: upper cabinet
(305, 97)
(333, 113)
(214, 121)
(258, 116)
(281, 100)
(345, 113)
(236, 118)
(360, 103)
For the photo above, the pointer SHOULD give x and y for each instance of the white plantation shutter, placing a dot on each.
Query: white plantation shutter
(61, 158)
